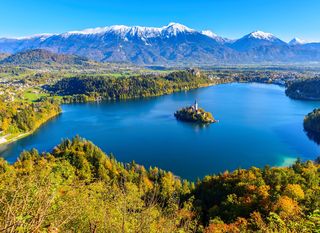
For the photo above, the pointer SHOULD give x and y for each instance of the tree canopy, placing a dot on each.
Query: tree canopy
(78, 188)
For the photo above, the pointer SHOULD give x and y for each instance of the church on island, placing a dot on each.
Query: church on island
(195, 106)
(194, 114)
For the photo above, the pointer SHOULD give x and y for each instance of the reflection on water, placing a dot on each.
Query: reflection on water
(197, 127)
(3, 148)
(313, 136)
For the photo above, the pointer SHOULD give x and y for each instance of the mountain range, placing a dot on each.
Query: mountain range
(168, 45)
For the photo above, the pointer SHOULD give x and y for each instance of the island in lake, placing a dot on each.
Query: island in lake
(311, 125)
(194, 114)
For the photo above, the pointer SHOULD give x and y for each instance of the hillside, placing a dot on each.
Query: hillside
(3, 56)
(88, 88)
(308, 89)
(22, 118)
(78, 188)
(43, 57)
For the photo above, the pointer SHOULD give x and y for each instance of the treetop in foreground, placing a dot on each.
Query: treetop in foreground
(78, 188)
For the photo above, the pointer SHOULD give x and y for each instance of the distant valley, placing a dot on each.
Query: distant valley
(174, 44)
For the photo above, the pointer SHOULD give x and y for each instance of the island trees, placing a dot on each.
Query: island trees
(311, 125)
(194, 114)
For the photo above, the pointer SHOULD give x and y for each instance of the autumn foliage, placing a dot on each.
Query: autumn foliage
(78, 188)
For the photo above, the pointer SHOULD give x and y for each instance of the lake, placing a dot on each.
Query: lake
(258, 125)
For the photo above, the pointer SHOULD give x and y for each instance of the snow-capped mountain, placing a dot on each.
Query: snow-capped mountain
(260, 35)
(141, 45)
(172, 29)
(13, 45)
(170, 44)
(41, 36)
(209, 33)
(214, 36)
(255, 40)
(297, 41)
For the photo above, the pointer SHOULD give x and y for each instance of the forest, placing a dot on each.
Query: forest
(20, 117)
(78, 188)
(89, 88)
(306, 89)
(311, 125)
(312, 121)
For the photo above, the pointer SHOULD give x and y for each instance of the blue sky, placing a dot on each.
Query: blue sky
(230, 18)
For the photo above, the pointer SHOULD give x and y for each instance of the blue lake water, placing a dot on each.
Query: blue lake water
(258, 125)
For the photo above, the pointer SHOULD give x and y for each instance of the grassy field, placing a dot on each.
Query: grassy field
(33, 94)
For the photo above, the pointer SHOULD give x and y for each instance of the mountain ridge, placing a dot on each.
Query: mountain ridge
(171, 44)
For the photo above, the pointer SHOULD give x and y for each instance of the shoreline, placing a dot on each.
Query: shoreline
(23, 135)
